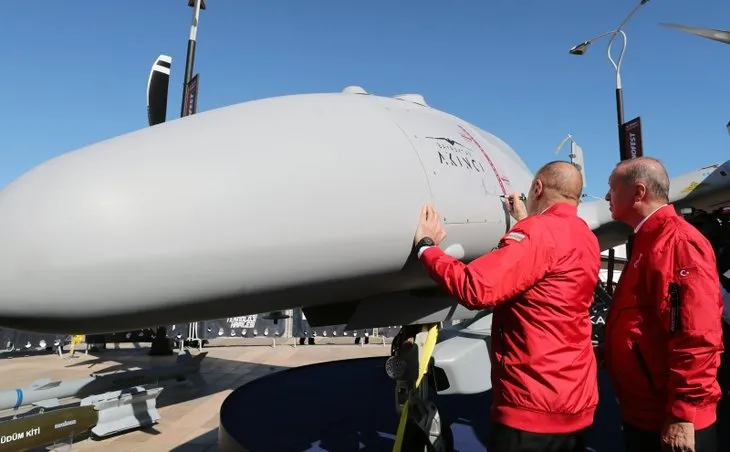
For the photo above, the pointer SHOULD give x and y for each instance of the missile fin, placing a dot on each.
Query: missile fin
(48, 403)
(39, 383)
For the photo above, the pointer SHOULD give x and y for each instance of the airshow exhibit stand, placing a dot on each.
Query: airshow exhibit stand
(348, 406)
(109, 404)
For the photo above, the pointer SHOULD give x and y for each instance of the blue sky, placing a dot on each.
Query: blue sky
(76, 72)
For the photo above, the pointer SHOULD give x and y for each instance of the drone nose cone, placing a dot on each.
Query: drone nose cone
(124, 225)
(56, 223)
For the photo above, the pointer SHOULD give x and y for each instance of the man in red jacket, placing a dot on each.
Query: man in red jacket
(663, 331)
(540, 282)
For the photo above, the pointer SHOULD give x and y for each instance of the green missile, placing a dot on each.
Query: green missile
(37, 430)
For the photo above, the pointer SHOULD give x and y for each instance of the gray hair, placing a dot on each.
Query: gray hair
(648, 171)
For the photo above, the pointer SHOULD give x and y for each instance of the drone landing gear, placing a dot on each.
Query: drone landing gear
(420, 427)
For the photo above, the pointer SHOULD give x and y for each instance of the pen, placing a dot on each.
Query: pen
(523, 198)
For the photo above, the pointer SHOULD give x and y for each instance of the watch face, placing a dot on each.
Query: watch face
(426, 241)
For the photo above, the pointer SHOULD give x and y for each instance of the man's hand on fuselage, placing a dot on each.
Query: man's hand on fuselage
(430, 226)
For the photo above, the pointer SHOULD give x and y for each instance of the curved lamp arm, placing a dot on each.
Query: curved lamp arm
(617, 63)
(581, 48)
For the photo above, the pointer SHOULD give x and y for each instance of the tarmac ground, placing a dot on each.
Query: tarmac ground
(189, 414)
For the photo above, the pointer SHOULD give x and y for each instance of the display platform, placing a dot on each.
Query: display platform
(349, 405)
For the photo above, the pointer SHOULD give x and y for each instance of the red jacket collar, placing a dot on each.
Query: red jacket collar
(656, 221)
(561, 209)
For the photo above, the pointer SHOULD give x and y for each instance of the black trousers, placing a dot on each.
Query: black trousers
(636, 440)
(508, 439)
(723, 377)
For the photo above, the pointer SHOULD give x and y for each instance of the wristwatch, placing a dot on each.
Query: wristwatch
(424, 243)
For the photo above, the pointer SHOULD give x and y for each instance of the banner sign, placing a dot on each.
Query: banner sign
(302, 329)
(248, 326)
(14, 340)
(143, 335)
(180, 331)
(632, 142)
(191, 96)
(599, 311)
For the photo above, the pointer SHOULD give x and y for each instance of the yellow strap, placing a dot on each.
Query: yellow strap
(428, 347)
(76, 339)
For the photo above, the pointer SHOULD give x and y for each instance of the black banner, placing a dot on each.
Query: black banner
(191, 96)
(18, 341)
(143, 335)
(633, 145)
(248, 326)
(182, 331)
(302, 329)
(599, 311)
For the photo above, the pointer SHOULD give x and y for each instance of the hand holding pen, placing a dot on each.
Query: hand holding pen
(516, 205)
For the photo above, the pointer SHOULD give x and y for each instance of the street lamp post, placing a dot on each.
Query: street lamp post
(197, 6)
(580, 49)
(161, 344)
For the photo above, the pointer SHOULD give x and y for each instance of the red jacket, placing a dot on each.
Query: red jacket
(663, 331)
(540, 281)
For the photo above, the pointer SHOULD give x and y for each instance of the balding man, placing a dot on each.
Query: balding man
(540, 282)
(663, 331)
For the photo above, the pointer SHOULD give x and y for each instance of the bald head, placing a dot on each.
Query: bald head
(556, 182)
(561, 181)
(647, 171)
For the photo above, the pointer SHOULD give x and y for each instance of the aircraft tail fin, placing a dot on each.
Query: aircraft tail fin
(576, 158)
(708, 33)
(562, 143)
(157, 87)
(576, 155)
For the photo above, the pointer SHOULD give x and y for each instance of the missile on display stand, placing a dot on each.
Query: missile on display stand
(46, 393)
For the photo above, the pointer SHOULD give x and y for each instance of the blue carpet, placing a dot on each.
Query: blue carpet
(349, 405)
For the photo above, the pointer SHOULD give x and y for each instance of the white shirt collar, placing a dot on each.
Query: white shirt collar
(641, 223)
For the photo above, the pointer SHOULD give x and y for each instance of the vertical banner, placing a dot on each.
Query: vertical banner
(191, 96)
(632, 146)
